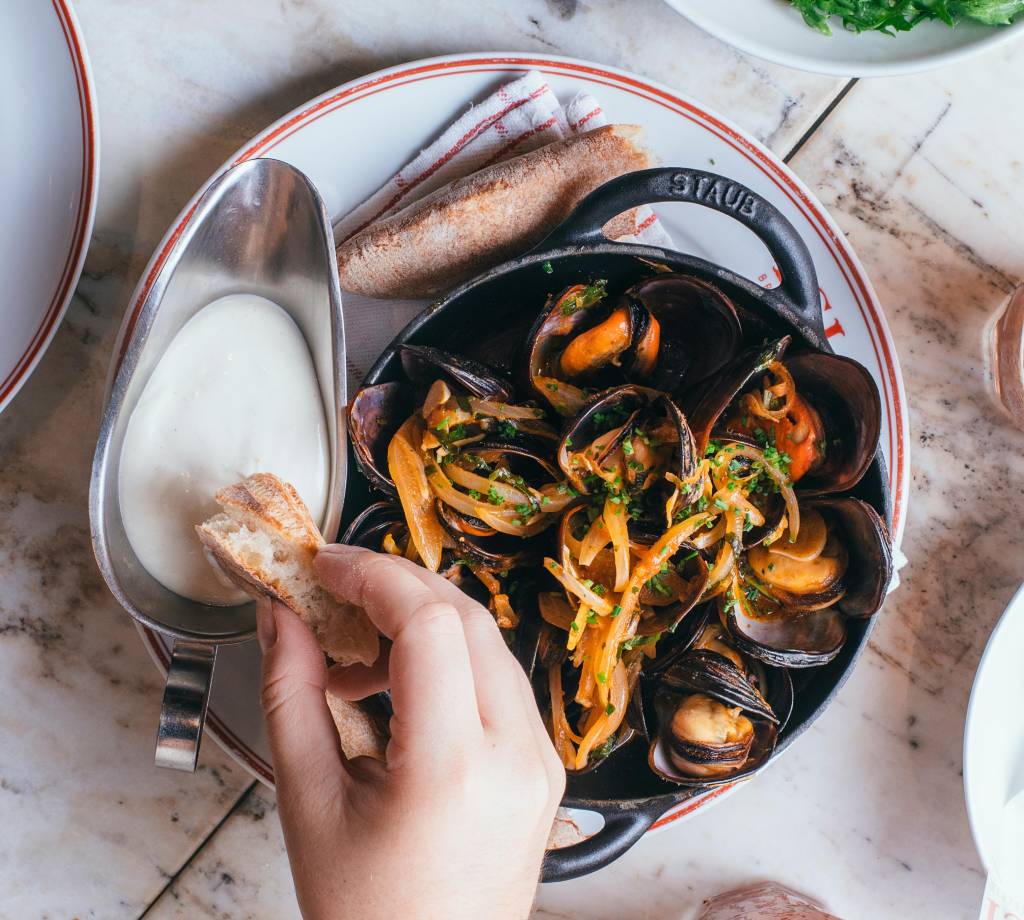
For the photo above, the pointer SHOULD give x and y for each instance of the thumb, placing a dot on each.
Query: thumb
(303, 740)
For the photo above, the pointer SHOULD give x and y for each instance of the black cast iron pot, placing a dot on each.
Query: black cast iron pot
(489, 317)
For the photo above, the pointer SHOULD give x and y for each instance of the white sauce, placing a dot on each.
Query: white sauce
(235, 393)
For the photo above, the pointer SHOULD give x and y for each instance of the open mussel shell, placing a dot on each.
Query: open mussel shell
(374, 415)
(704, 671)
(553, 329)
(706, 405)
(627, 408)
(868, 542)
(492, 551)
(789, 638)
(699, 329)
(845, 396)
(370, 527)
(424, 364)
(523, 448)
(700, 671)
(798, 633)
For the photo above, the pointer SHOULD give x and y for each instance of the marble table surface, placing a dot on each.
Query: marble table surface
(926, 176)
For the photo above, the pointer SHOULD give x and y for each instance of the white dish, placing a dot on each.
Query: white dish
(49, 175)
(394, 112)
(775, 31)
(994, 736)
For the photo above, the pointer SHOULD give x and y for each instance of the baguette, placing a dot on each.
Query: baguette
(265, 542)
(485, 218)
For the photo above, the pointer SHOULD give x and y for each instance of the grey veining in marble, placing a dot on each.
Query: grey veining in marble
(865, 812)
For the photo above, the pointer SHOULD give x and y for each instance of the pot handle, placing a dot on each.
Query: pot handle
(799, 289)
(623, 826)
(183, 711)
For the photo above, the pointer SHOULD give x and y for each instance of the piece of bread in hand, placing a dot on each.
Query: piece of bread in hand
(492, 215)
(362, 726)
(265, 541)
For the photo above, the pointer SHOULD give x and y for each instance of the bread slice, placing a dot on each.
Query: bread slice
(492, 215)
(362, 727)
(265, 541)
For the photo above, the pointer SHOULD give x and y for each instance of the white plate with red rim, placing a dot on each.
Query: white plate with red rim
(994, 737)
(775, 31)
(49, 176)
(397, 111)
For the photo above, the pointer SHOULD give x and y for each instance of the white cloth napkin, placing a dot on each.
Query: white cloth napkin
(519, 117)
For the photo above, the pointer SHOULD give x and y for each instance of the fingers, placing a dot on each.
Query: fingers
(505, 700)
(494, 667)
(358, 681)
(303, 739)
(432, 689)
(495, 670)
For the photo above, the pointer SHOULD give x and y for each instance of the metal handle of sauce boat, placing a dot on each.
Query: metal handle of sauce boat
(183, 711)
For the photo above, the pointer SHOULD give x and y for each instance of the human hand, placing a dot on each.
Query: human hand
(454, 824)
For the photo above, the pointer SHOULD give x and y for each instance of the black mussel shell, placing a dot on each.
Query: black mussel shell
(374, 415)
(524, 447)
(497, 553)
(706, 405)
(681, 640)
(846, 399)
(794, 636)
(369, 528)
(628, 406)
(699, 329)
(708, 673)
(704, 671)
(868, 542)
(424, 364)
(790, 638)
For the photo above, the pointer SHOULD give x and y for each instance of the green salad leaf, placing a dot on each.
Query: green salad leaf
(891, 16)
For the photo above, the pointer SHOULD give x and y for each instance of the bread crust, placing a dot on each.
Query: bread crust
(485, 218)
(262, 502)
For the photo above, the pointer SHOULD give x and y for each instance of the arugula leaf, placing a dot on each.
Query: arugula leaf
(891, 16)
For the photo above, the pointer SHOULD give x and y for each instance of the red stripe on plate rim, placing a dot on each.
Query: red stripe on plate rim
(83, 215)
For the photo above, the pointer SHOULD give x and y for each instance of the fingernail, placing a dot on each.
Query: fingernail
(266, 627)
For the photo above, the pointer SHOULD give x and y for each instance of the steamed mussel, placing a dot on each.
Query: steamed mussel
(654, 511)
(670, 331)
(718, 713)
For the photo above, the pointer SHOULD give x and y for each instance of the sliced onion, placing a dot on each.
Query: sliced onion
(785, 390)
(596, 539)
(614, 517)
(600, 724)
(723, 566)
(706, 538)
(408, 472)
(564, 397)
(779, 478)
(503, 490)
(562, 736)
(572, 584)
(493, 409)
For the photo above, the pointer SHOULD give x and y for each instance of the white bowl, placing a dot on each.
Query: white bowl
(775, 30)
